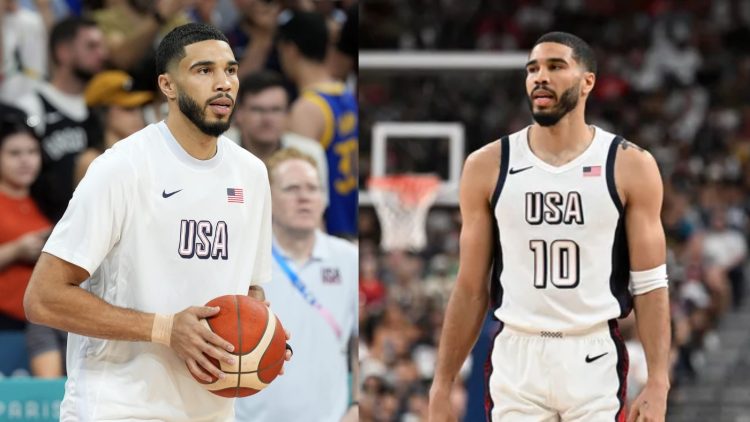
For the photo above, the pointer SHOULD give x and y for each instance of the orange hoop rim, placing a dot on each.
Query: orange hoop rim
(411, 188)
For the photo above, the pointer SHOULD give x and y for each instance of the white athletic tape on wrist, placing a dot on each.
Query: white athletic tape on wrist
(161, 331)
(644, 281)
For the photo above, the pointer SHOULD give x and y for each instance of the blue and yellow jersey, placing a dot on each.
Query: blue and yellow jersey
(340, 141)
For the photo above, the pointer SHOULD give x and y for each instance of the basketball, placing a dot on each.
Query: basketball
(259, 345)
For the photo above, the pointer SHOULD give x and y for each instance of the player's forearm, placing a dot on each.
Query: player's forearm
(76, 310)
(54, 298)
(652, 317)
(463, 321)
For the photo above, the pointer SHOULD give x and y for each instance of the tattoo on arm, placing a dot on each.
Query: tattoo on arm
(627, 144)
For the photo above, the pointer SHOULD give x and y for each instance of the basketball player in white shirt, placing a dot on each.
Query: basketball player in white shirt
(164, 221)
(571, 222)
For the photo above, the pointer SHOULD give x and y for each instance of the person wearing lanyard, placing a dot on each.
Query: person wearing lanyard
(314, 293)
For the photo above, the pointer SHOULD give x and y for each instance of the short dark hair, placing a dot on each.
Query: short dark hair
(172, 47)
(582, 52)
(308, 31)
(66, 31)
(259, 81)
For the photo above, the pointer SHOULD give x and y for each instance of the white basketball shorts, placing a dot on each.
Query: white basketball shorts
(551, 376)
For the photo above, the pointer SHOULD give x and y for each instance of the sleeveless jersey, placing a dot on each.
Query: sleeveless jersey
(561, 261)
(340, 141)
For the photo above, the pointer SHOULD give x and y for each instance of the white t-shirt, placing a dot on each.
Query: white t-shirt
(159, 231)
(314, 386)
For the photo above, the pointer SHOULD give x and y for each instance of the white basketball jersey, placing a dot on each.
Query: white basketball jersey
(159, 231)
(561, 260)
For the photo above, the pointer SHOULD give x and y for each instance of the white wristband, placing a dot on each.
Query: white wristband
(161, 331)
(644, 281)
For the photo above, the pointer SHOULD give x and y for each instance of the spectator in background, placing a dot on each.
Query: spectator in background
(261, 117)
(252, 39)
(326, 111)
(24, 56)
(726, 248)
(313, 290)
(23, 228)
(63, 121)
(23, 231)
(132, 28)
(111, 97)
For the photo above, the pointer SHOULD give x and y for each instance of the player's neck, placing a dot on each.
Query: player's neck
(561, 142)
(67, 83)
(297, 243)
(191, 139)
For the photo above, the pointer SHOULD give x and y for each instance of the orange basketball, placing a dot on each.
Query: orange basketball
(259, 345)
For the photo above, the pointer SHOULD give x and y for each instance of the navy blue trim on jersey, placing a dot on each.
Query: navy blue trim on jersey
(619, 278)
(611, 155)
(623, 364)
(496, 289)
(504, 160)
(488, 403)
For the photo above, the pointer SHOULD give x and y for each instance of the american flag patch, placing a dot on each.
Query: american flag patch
(592, 171)
(235, 195)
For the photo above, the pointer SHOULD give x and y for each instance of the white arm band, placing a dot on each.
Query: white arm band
(644, 281)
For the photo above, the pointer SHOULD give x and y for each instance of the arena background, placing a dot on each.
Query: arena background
(674, 77)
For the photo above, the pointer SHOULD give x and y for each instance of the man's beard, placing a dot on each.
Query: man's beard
(568, 101)
(190, 108)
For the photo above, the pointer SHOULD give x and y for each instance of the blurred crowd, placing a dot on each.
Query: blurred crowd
(673, 78)
(77, 76)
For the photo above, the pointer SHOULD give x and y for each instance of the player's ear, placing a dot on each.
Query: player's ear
(167, 86)
(587, 83)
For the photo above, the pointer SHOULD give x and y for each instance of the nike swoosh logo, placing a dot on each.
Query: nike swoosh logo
(164, 193)
(589, 360)
(514, 171)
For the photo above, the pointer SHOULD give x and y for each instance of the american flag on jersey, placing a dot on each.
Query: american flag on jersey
(592, 171)
(235, 195)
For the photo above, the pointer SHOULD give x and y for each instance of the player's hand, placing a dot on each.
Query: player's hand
(193, 342)
(440, 408)
(288, 354)
(257, 292)
(650, 405)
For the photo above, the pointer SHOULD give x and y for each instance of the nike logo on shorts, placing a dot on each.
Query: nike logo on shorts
(514, 171)
(164, 193)
(589, 359)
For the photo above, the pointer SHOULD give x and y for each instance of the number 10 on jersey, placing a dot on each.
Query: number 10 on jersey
(561, 261)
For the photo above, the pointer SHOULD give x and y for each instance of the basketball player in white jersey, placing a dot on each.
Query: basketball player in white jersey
(164, 221)
(570, 222)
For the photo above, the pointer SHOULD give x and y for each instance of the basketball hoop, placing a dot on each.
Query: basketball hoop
(401, 202)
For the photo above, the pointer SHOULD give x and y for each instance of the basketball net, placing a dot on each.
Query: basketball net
(402, 202)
